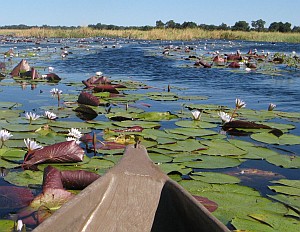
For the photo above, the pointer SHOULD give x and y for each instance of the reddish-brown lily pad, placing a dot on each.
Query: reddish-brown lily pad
(208, 204)
(88, 99)
(64, 152)
(14, 197)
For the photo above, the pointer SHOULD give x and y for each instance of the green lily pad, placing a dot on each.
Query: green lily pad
(286, 190)
(21, 127)
(14, 154)
(163, 134)
(156, 116)
(285, 139)
(9, 104)
(195, 124)
(97, 163)
(234, 200)
(162, 96)
(159, 158)
(221, 148)
(287, 182)
(184, 146)
(285, 161)
(7, 225)
(191, 132)
(291, 201)
(69, 124)
(4, 114)
(142, 124)
(253, 151)
(215, 178)
(210, 162)
(25, 178)
(172, 167)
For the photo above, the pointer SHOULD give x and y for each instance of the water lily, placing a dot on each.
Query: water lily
(31, 116)
(32, 145)
(225, 117)
(239, 103)
(73, 139)
(4, 135)
(20, 225)
(56, 92)
(50, 115)
(271, 107)
(196, 114)
(75, 133)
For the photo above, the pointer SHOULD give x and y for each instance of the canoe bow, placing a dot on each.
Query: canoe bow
(134, 195)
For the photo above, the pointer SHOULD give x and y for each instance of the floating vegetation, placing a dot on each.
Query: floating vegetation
(184, 136)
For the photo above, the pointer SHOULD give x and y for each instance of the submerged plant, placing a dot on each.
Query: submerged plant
(4, 135)
(31, 117)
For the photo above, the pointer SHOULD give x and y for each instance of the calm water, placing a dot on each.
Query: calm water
(143, 61)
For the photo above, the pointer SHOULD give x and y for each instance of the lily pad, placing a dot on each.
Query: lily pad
(285, 139)
(192, 132)
(173, 167)
(221, 148)
(291, 201)
(286, 190)
(25, 178)
(159, 158)
(196, 124)
(142, 124)
(285, 161)
(205, 161)
(215, 178)
(156, 116)
(186, 145)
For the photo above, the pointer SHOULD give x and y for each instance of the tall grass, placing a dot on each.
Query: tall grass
(156, 34)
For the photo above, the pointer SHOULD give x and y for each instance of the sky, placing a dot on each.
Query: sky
(146, 12)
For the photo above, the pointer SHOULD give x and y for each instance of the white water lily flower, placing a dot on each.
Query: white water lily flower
(239, 103)
(50, 69)
(73, 139)
(271, 107)
(55, 91)
(5, 135)
(20, 225)
(50, 115)
(196, 114)
(225, 117)
(75, 133)
(32, 145)
(31, 116)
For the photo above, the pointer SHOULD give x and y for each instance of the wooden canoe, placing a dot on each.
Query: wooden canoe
(133, 196)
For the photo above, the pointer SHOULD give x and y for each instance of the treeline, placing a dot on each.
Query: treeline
(258, 25)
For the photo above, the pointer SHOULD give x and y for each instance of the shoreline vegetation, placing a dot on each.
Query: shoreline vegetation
(187, 34)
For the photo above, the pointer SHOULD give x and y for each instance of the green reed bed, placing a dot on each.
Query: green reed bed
(157, 34)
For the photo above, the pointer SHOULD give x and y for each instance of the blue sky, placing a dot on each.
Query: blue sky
(146, 12)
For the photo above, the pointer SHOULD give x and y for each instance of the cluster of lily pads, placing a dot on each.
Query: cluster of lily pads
(195, 145)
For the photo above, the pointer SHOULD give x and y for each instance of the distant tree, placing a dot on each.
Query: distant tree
(188, 25)
(241, 26)
(258, 25)
(223, 26)
(296, 29)
(280, 26)
(159, 24)
(170, 24)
